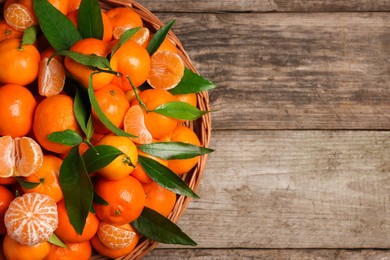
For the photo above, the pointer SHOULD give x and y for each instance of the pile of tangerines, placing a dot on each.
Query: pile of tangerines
(78, 112)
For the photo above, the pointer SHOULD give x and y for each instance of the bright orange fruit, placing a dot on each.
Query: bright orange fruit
(72, 251)
(6, 197)
(19, 14)
(115, 253)
(14, 250)
(126, 200)
(166, 70)
(31, 218)
(51, 77)
(20, 156)
(134, 123)
(17, 106)
(48, 178)
(115, 237)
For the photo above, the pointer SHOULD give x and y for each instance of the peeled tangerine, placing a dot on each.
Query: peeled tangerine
(20, 156)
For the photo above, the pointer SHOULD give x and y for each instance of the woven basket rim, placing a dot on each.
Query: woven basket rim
(201, 126)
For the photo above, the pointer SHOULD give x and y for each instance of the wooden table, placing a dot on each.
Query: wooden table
(301, 128)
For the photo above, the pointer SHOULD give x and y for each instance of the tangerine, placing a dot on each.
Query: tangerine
(6, 197)
(48, 178)
(81, 72)
(114, 104)
(54, 114)
(123, 165)
(185, 135)
(19, 63)
(126, 199)
(133, 62)
(17, 106)
(31, 218)
(72, 251)
(66, 232)
(159, 198)
(14, 250)
(8, 32)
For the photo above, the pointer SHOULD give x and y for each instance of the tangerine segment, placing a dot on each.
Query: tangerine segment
(31, 219)
(18, 16)
(115, 237)
(134, 123)
(6, 157)
(166, 70)
(19, 156)
(51, 77)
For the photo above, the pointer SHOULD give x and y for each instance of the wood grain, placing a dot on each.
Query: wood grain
(293, 189)
(244, 254)
(267, 5)
(292, 71)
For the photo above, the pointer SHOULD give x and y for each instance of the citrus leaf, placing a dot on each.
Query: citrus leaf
(100, 156)
(100, 114)
(99, 200)
(53, 239)
(81, 109)
(77, 189)
(90, 129)
(30, 35)
(159, 37)
(174, 150)
(90, 21)
(27, 184)
(57, 28)
(192, 83)
(67, 137)
(90, 60)
(179, 110)
(165, 177)
(124, 38)
(155, 226)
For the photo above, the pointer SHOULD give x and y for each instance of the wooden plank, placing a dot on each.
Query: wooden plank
(266, 5)
(216, 254)
(293, 189)
(292, 71)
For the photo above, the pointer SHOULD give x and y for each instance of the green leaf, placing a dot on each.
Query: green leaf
(89, 21)
(57, 28)
(153, 225)
(91, 60)
(77, 189)
(30, 35)
(100, 114)
(192, 83)
(27, 184)
(124, 38)
(174, 150)
(67, 137)
(90, 129)
(100, 156)
(53, 239)
(179, 110)
(99, 200)
(81, 108)
(159, 37)
(165, 177)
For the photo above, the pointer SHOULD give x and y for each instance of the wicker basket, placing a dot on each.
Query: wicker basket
(202, 126)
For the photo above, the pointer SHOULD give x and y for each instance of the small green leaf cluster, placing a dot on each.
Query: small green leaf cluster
(76, 169)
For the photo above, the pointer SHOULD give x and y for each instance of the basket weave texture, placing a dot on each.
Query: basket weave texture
(201, 126)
